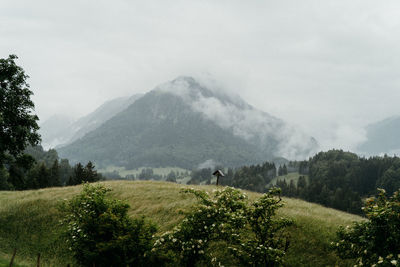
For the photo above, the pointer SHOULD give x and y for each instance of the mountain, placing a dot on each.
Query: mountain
(55, 130)
(184, 123)
(103, 113)
(59, 130)
(382, 137)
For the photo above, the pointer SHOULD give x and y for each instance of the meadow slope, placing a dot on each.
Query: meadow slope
(30, 221)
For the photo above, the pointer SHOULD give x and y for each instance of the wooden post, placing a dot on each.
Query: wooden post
(218, 178)
(38, 260)
(13, 256)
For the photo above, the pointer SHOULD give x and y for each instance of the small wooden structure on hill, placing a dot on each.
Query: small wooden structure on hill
(218, 173)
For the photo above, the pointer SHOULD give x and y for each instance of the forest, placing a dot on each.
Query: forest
(334, 178)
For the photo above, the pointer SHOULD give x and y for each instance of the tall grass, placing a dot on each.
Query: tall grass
(29, 221)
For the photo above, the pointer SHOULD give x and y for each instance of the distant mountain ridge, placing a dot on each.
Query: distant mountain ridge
(183, 123)
(382, 137)
(60, 130)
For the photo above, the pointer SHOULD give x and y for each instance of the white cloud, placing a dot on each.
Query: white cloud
(243, 120)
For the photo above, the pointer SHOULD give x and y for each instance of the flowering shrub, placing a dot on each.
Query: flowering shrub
(100, 233)
(375, 242)
(267, 243)
(226, 217)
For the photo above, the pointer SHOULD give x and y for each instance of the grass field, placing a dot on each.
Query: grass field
(29, 221)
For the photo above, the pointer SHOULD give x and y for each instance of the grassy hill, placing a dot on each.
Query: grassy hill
(29, 220)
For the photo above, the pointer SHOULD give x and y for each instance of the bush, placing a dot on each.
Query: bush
(266, 243)
(100, 233)
(226, 219)
(375, 242)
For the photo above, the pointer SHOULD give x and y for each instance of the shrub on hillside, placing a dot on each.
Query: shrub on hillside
(375, 242)
(266, 242)
(100, 233)
(225, 220)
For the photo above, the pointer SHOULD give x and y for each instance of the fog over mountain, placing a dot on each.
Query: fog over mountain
(60, 130)
(328, 67)
(382, 137)
(230, 112)
(185, 123)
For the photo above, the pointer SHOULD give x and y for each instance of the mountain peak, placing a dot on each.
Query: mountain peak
(184, 78)
(185, 122)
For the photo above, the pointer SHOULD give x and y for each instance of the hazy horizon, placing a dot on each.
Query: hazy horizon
(330, 68)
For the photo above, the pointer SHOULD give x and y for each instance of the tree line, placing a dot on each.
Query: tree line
(335, 178)
(37, 168)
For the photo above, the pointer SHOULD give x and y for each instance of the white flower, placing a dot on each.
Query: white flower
(394, 262)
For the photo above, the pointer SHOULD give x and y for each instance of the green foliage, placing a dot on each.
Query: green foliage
(376, 241)
(4, 185)
(254, 177)
(282, 170)
(341, 179)
(84, 174)
(252, 233)
(200, 175)
(171, 177)
(18, 127)
(100, 232)
(267, 243)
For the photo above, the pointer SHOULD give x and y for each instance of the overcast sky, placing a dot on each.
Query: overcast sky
(328, 66)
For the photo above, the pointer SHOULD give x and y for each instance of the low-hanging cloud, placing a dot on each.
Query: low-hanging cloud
(230, 112)
(308, 62)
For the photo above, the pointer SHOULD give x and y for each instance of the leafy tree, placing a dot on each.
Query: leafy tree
(282, 170)
(267, 242)
(18, 126)
(390, 180)
(227, 180)
(18, 169)
(84, 174)
(215, 218)
(66, 171)
(171, 177)
(43, 176)
(90, 174)
(100, 232)
(146, 174)
(78, 175)
(4, 185)
(376, 241)
(250, 234)
(200, 175)
(55, 174)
